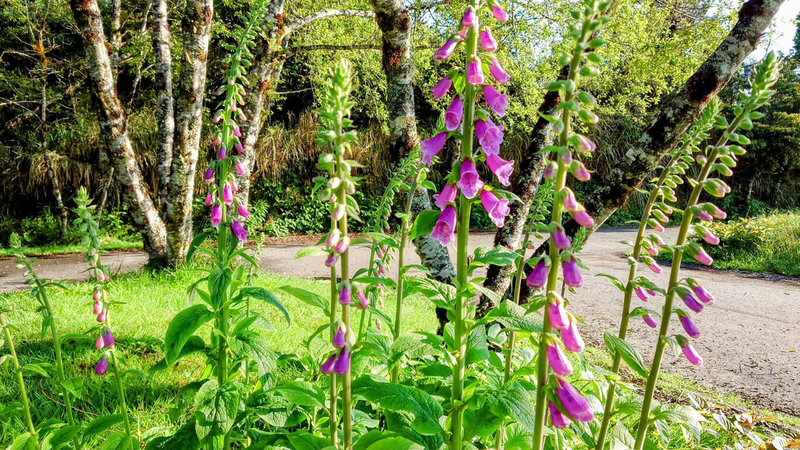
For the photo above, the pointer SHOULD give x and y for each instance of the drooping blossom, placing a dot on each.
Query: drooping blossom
(362, 300)
(703, 295)
(497, 71)
(488, 42)
(501, 168)
(99, 343)
(497, 101)
(209, 199)
(108, 338)
(577, 406)
(239, 231)
(469, 182)
(583, 218)
(689, 326)
(452, 118)
(549, 172)
(650, 321)
(333, 237)
(342, 245)
(239, 168)
(655, 268)
(641, 293)
(327, 366)
(558, 315)
(236, 131)
(227, 194)
(331, 259)
(469, 19)
(717, 213)
(497, 208)
(581, 174)
(704, 216)
(446, 50)
(342, 365)
(101, 317)
(338, 338)
(711, 238)
(569, 201)
(221, 152)
(338, 212)
(441, 88)
(345, 296)
(447, 196)
(209, 173)
(558, 418)
(572, 338)
(475, 72)
(700, 255)
(243, 211)
(692, 355)
(445, 229)
(489, 135)
(102, 366)
(692, 303)
(572, 274)
(97, 308)
(239, 147)
(538, 276)
(558, 360)
(499, 14)
(560, 239)
(585, 144)
(432, 147)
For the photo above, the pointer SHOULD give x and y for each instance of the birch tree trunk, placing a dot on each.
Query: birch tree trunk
(188, 126)
(165, 114)
(114, 123)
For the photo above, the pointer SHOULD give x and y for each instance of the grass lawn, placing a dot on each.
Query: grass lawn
(148, 302)
(109, 244)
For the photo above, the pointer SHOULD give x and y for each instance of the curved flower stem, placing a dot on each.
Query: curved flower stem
(644, 419)
(626, 304)
(122, 404)
(26, 406)
(555, 262)
(462, 263)
(400, 274)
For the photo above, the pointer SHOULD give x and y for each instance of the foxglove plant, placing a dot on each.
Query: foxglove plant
(574, 105)
(719, 157)
(645, 247)
(339, 186)
(464, 185)
(105, 343)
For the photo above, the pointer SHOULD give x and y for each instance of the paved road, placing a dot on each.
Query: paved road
(750, 336)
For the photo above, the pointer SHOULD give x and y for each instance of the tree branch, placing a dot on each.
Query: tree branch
(301, 22)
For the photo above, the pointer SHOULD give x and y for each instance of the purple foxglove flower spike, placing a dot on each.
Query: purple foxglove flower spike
(704, 216)
(573, 402)
(703, 295)
(364, 303)
(209, 173)
(209, 199)
(239, 168)
(572, 338)
(227, 194)
(692, 355)
(222, 153)
(501, 168)
(572, 274)
(445, 229)
(690, 327)
(216, 215)
(641, 293)
(692, 303)
(108, 339)
(102, 366)
(441, 88)
(327, 366)
(538, 276)
(100, 343)
(448, 195)
(558, 315)
(452, 118)
(558, 360)
(475, 72)
(338, 338)
(650, 321)
(583, 218)
(499, 14)
(97, 308)
(446, 50)
(345, 297)
(432, 147)
(488, 42)
(497, 208)
(558, 418)
(655, 268)
(497, 71)
(581, 174)
(497, 101)
(342, 365)
(469, 182)
(560, 239)
(469, 19)
(243, 211)
(239, 231)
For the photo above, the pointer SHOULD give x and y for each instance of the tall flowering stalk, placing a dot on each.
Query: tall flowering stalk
(463, 184)
(565, 403)
(656, 211)
(719, 157)
(101, 303)
(339, 187)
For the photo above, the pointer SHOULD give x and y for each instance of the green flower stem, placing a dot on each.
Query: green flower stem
(555, 262)
(334, 388)
(123, 406)
(626, 304)
(346, 378)
(666, 314)
(462, 263)
(370, 272)
(26, 406)
(511, 335)
(400, 275)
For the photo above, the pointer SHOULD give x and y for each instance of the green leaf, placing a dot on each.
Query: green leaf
(678, 414)
(514, 318)
(303, 440)
(614, 280)
(410, 345)
(266, 296)
(74, 386)
(628, 353)
(310, 251)
(477, 350)
(24, 442)
(302, 393)
(185, 438)
(425, 410)
(215, 408)
(218, 281)
(102, 424)
(41, 369)
(424, 223)
(254, 346)
(182, 328)
(307, 297)
(513, 401)
(384, 440)
(621, 438)
(498, 256)
(197, 242)
(61, 437)
(193, 345)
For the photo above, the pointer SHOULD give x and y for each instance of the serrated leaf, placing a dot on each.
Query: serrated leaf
(425, 410)
(182, 327)
(215, 408)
